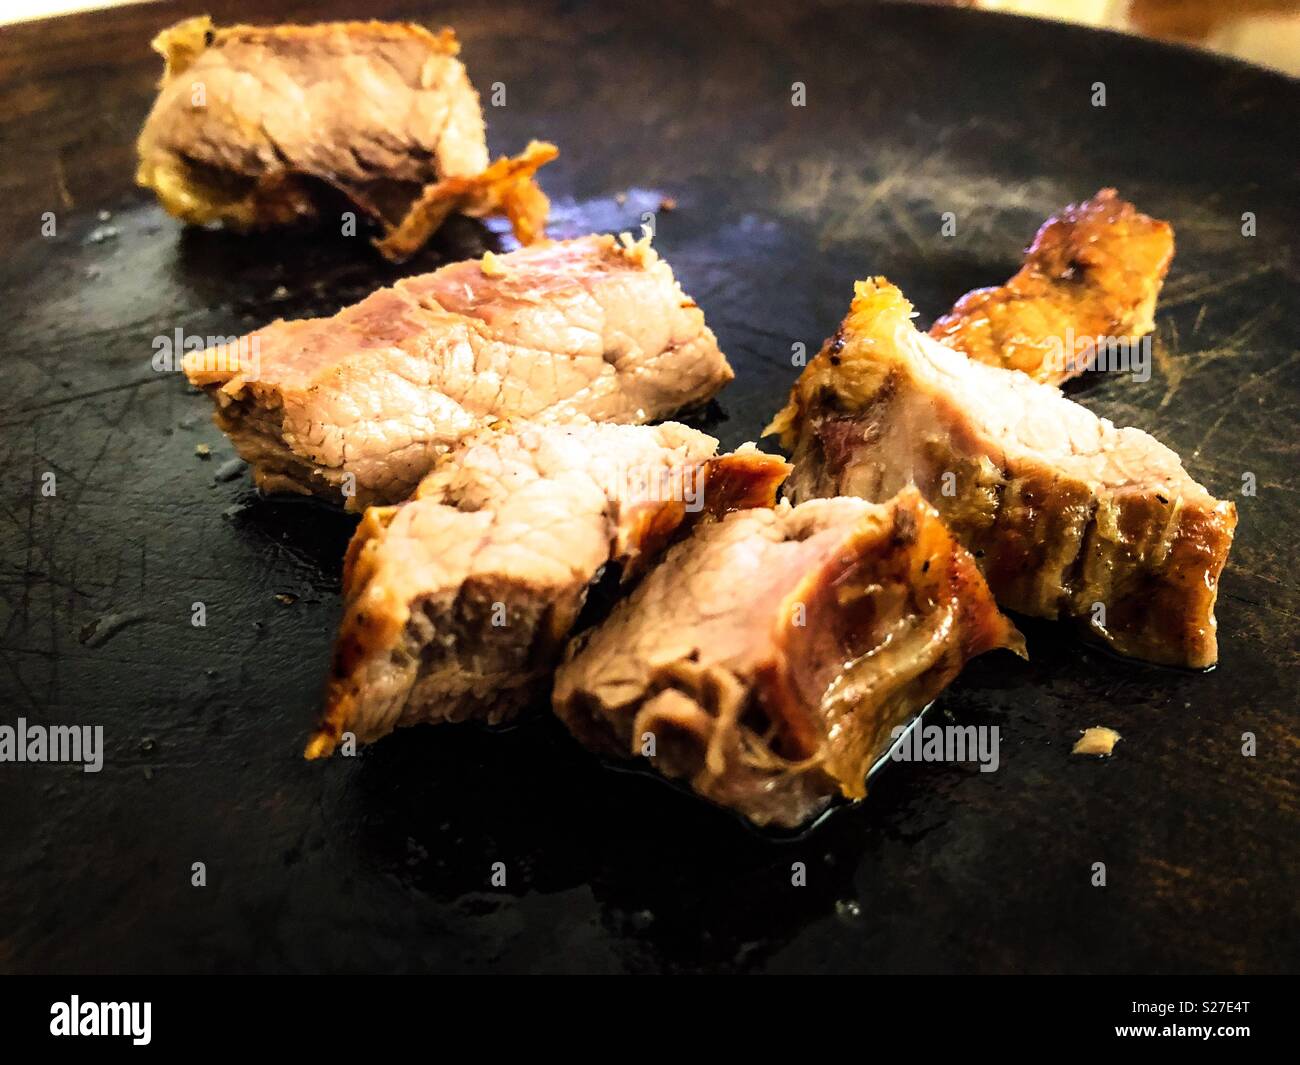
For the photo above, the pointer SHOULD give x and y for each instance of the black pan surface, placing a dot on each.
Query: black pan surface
(383, 862)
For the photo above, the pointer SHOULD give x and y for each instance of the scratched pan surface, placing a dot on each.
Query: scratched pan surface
(382, 862)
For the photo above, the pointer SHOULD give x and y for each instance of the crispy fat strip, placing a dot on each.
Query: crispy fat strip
(1091, 277)
(505, 188)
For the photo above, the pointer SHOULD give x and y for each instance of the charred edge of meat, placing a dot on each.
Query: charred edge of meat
(1093, 270)
(745, 479)
(506, 188)
(1155, 563)
(365, 630)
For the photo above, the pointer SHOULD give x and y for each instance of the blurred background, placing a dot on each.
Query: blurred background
(1266, 32)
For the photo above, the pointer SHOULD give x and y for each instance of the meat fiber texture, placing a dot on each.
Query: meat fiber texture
(1090, 278)
(459, 601)
(768, 658)
(356, 407)
(252, 124)
(1069, 516)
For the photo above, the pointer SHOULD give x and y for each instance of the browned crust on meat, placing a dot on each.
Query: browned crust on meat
(1094, 270)
(742, 480)
(1052, 541)
(911, 550)
(884, 612)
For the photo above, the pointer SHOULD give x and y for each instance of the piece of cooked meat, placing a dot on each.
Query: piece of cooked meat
(1094, 270)
(1069, 516)
(357, 406)
(459, 601)
(252, 121)
(769, 657)
(1096, 740)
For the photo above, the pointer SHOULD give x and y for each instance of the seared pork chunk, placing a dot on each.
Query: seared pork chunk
(1069, 516)
(357, 406)
(251, 122)
(459, 601)
(767, 659)
(1092, 274)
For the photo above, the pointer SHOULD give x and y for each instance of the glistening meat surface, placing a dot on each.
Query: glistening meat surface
(459, 601)
(1068, 515)
(357, 406)
(1090, 278)
(767, 659)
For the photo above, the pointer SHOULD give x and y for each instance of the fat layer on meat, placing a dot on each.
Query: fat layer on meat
(357, 406)
(1090, 281)
(1069, 516)
(767, 659)
(459, 601)
(252, 122)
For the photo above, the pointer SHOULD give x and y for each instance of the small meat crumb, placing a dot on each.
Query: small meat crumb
(1097, 740)
(491, 266)
(668, 204)
(636, 251)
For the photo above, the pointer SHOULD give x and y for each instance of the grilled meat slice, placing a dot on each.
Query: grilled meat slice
(769, 657)
(251, 122)
(1069, 516)
(1093, 271)
(459, 601)
(357, 406)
